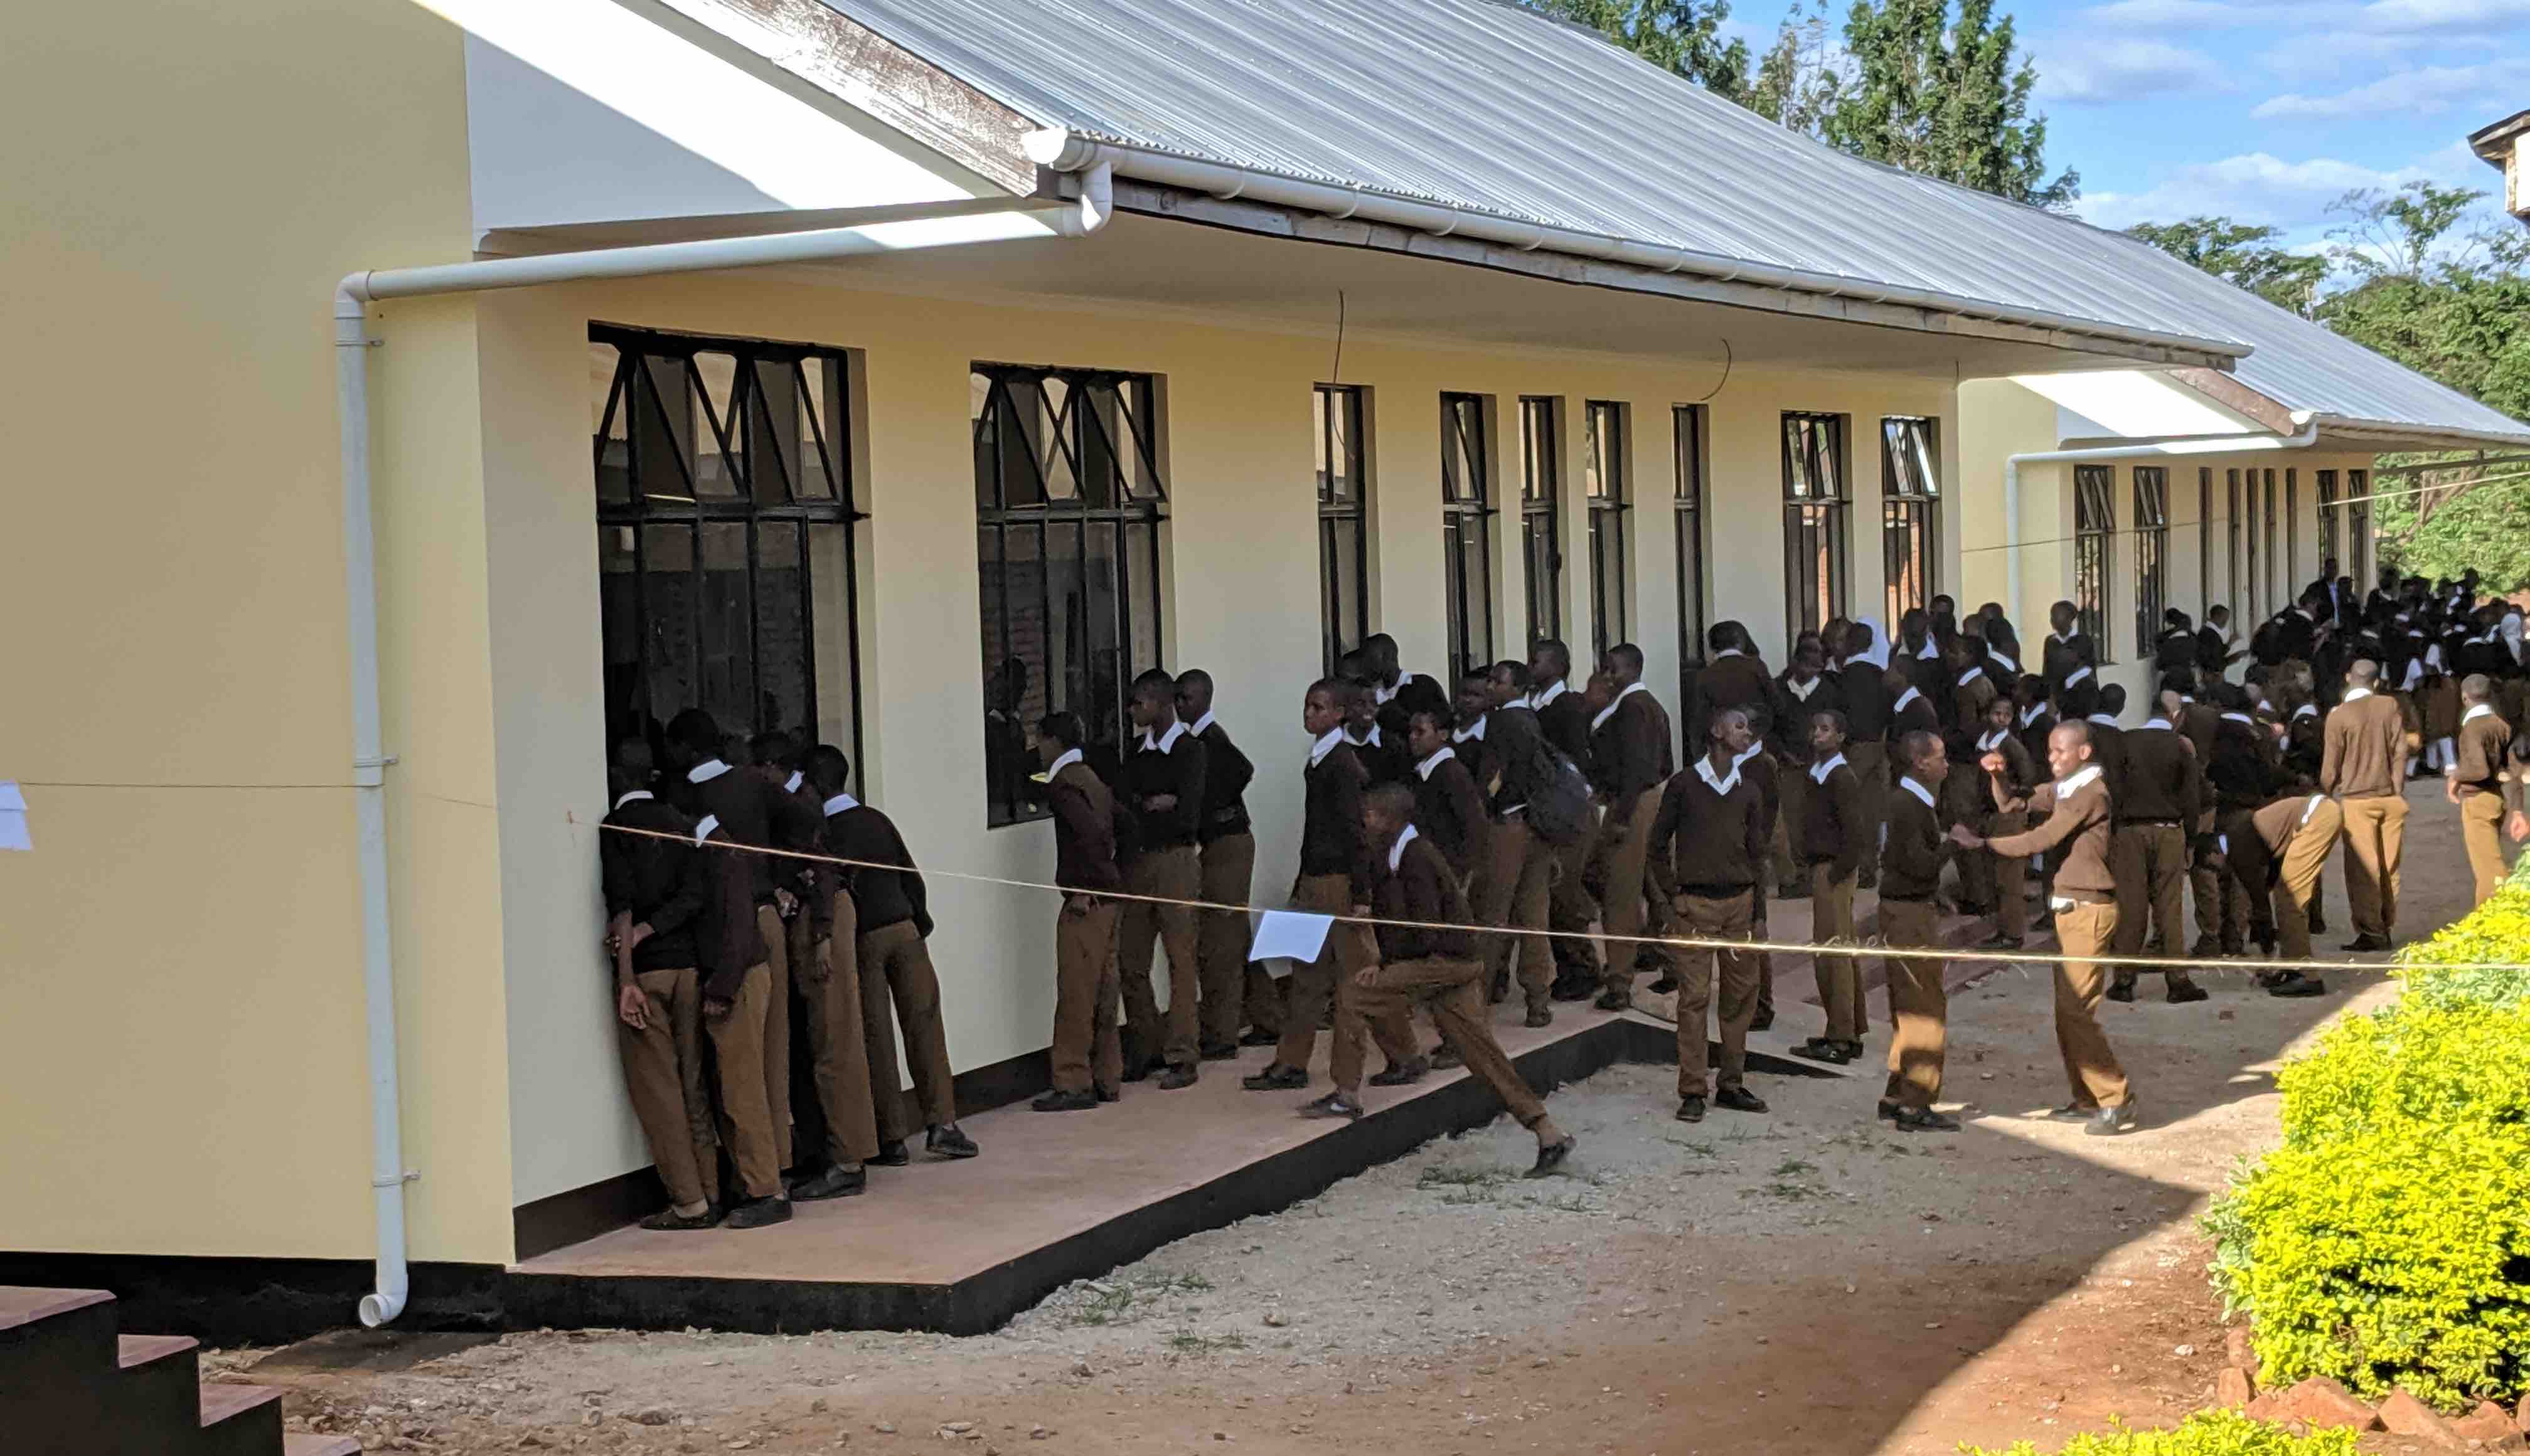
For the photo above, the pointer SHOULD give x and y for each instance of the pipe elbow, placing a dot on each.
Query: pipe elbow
(1059, 148)
(381, 1307)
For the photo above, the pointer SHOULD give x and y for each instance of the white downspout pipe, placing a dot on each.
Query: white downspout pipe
(2304, 439)
(1070, 216)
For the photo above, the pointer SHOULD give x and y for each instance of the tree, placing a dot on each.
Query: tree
(1935, 89)
(2243, 255)
(1683, 36)
(1799, 80)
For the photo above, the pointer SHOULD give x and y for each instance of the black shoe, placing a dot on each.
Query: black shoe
(758, 1213)
(1613, 1000)
(669, 1220)
(2182, 992)
(1178, 1078)
(1109, 1094)
(1885, 1111)
(1539, 1015)
(2206, 947)
(2072, 1112)
(1575, 990)
(893, 1154)
(1923, 1119)
(1401, 1073)
(1139, 1068)
(1820, 1049)
(1333, 1105)
(1738, 1100)
(1258, 1036)
(1551, 1155)
(1218, 1051)
(1066, 1101)
(2107, 1122)
(1764, 1019)
(1276, 1078)
(2000, 942)
(1664, 985)
(2122, 988)
(949, 1139)
(834, 1183)
(1690, 1110)
(2317, 924)
(2367, 942)
(1500, 991)
(1650, 959)
(2294, 984)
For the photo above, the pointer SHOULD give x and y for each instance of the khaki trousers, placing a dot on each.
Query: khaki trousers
(1705, 918)
(663, 1073)
(1840, 976)
(1088, 1051)
(1227, 872)
(1617, 866)
(1869, 761)
(1178, 874)
(2009, 876)
(1328, 981)
(746, 1112)
(2090, 1066)
(2222, 904)
(2481, 829)
(2149, 862)
(900, 988)
(2376, 837)
(1919, 1004)
(1569, 905)
(832, 1009)
(1796, 791)
(1512, 887)
(1455, 991)
(775, 1057)
(2297, 878)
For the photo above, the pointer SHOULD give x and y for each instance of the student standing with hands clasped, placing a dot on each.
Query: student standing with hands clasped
(1707, 839)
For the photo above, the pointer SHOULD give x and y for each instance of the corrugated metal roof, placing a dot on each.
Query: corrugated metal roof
(1483, 105)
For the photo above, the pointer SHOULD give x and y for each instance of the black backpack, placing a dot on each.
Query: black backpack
(1558, 803)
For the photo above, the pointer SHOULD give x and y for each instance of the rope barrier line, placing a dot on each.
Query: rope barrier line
(1683, 943)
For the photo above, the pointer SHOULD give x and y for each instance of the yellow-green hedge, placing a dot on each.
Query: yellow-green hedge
(2205, 1434)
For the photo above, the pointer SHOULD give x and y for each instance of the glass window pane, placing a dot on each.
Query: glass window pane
(610, 423)
(834, 613)
(818, 384)
(670, 599)
(774, 418)
(1055, 429)
(728, 687)
(782, 646)
(720, 469)
(662, 430)
(619, 605)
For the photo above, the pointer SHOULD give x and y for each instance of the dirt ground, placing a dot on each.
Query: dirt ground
(1805, 1281)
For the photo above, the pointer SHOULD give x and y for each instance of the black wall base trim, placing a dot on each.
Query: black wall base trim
(260, 1301)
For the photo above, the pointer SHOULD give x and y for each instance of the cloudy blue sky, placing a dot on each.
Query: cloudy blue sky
(2265, 110)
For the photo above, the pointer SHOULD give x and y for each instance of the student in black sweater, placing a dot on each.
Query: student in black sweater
(731, 958)
(1707, 839)
(1449, 809)
(1164, 777)
(1910, 870)
(1088, 1058)
(1235, 993)
(1565, 721)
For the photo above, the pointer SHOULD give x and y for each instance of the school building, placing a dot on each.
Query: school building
(900, 370)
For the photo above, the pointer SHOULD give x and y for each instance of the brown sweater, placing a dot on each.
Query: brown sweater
(1084, 830)
(1705, 843)
(1449, 809)
(2363, 751)
(1420, 889)
(1968, 699)
(1833, 828)
(1911, 863)
(1630, 752)
(1739, 681)
(2162, 783)
(2482, 744)
(2077, 824)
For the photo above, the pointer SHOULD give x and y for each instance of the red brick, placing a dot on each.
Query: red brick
(2409, 1417)
(2232, 1387)
(2239, 1351)
(2320, 1402)
(2490, 1426)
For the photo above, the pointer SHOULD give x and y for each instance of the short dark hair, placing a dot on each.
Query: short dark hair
(1441, 722)
(1918, 743)
(1844, 724)
(1339, 689)
(1192, 676)
(1517, 671)
(1155, 680)
(1553, 647)
(1062, 728)
(1628, 654)
(695, 731)
(1393, 799)
(827, 768)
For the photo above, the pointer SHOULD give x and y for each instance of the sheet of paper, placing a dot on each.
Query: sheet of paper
(13, 817)
(11, 797)
(1290, 935)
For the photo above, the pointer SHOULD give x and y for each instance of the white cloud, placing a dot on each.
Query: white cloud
(2097, 73)
(2255, 188)
(2201, 15)
(2308, 56)
(2425, 90)
(2478, 17)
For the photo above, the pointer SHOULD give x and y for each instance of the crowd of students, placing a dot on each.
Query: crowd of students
(1936, 769)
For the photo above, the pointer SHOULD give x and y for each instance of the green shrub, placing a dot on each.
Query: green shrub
(2498, 930)
(2396, 1254)
(2436, 1064)
(2205, 1434)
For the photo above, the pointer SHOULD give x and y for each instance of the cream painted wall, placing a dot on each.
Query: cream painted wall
(1240, 588)
(180, 949)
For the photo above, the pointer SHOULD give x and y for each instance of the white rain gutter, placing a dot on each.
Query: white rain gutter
(2158, 445)
(1070, 216)
(1063, 150)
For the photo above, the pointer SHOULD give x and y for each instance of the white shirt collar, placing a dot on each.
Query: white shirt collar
(2059, 637)
(1430, 765)
(1201, 724)
(1800, 690)
(2243, 718)
(2477, 710)
(842, 801)
(2032, 714)
(706, 771)
(1904, 698)
(1397, 851)
(703, 830)
(1610, 710)
(2078, 674)
(792, 783)
(1753, 749)
(2102, 719)
(1728, 652)
(2088, 774)
(1993, 740)
(638, 794)
(2306, 710)
(1721, 783)
(1325, 745)
(2354, 694)
(2155, 722)
(1371, 742)
(1971, 676)
(1931, 648)
(1907, 782)
(1164, 742)
(1474, 731)
(1540, 697)
(1819, 772)
(1068, 758)
(2009, 665)
(1382, 695)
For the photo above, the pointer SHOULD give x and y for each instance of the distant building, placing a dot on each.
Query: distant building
(2505, 147)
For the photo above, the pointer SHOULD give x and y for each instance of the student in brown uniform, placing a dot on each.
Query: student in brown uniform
(841, 1118)
(1707, 840)
(1862, 674)
(1566, 723)
(1383, 752)
(1830, 840)
(1734, 676)
(1234, 994)
(1448, 810)
(2278, 852)
(2163, 796)
(1432, 959)
(899, 986)
(1629, 756)
(2068, 656)
(1088, 1056)
(774, 755)
(2005, 876)
(1910, 871)
(1503, 746)
(654, 890)
(2251, 771)
(1164, 785)
(1970, 688)
(1335, 879)
(734, 960)
(2363, 765)
(1802, 691)
(754, 811)
(2074, 820)
(1910, 707)
(2475, 782)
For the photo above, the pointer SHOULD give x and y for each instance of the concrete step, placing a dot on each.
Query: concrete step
(240, 1420)
(158, 1389)
(308, 1443)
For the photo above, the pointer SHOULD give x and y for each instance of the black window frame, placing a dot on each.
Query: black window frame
(1910, 510)
(2232, 544)
(2324, 487)
(2358, 525)
(1133, 519)
(1690, 438)
(1607, 469)
(2292, 537)
(1343, 511)
(2249, 530)
(660, 462)
(2273, 598)
(2151, 555)
(1817, 467)
(1541, 513)
(2203, 541)
(1467, 527)
(2095, 529)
